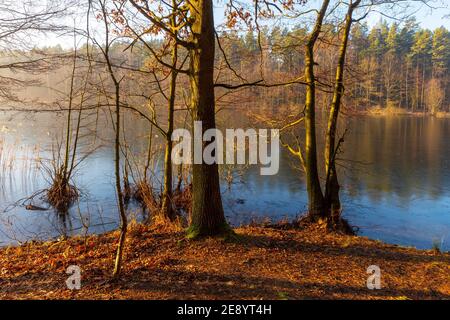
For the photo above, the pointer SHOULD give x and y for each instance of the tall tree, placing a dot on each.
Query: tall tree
(166, 205)
(390, 73)
(333, 203)
(207, 217)
(421, 56)
(103, 12)
(315, 195)
(406, 39)
(441, 51)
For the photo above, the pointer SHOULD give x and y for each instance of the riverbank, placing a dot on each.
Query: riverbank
(393, 111)
(261, 263)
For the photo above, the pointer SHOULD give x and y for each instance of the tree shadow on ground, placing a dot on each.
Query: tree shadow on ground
(356, 250)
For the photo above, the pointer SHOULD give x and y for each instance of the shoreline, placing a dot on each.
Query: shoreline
(393, 112)
(375, 111)
(261, 263)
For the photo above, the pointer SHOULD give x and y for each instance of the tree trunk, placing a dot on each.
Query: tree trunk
(417, 102)
(332, 184)
(123, 217)
(69, 122)
(208, 217)
(166, 207)
(406, 86)
(315, 195)
(422, 92)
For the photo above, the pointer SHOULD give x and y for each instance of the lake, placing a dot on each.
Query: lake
(394, 172)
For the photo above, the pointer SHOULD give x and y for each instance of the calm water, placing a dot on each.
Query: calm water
(395, 174)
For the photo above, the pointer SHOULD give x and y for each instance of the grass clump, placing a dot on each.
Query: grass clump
(62, 194)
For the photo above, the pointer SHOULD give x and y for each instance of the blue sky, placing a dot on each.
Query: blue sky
(427, 18)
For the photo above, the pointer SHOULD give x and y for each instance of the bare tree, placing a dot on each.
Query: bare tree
(22, 26)
(435, 96)
(101, 7)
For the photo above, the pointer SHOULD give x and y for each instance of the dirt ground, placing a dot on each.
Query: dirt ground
(260, 263)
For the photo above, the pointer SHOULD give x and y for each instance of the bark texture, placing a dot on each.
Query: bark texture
(316, 205)
(207, 218)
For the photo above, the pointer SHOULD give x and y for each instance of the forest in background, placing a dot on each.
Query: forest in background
(393, 68)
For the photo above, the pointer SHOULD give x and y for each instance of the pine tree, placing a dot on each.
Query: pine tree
(421, 57)
(441, 51)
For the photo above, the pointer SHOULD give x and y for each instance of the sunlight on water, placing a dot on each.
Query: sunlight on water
(395, 174)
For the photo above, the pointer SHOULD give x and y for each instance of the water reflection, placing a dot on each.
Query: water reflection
(395, 174)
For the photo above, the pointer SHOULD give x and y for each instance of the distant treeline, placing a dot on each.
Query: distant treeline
(403, 66)
(388, 66)
(397, 66)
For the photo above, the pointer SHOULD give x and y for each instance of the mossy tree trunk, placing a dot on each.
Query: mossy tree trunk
(207, 217)
(316, 203)
(332, 184)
